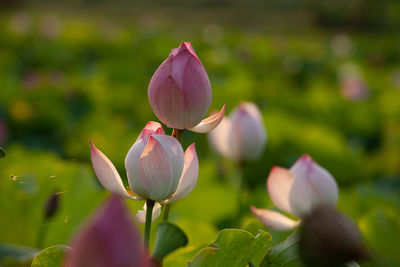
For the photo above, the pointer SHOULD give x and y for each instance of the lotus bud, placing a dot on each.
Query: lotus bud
(297, 191)
(180, 92)
(156, 166)
(328, 238)
(242, 135)
(51, 205)
(109, 238)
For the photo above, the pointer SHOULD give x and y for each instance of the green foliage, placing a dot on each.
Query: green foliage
(27, 178)
(50, 257)
(16, 255)
(233, 247)
(284, 254)
(169, 238)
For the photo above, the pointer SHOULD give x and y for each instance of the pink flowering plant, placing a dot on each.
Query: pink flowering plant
(160, 171)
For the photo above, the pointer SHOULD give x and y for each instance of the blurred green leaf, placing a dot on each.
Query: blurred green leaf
(233, 247)
(16, 254)
(50, 257)
(169, 238)
(381, 229)
(284, 253)
(2, 152)
(28, 178)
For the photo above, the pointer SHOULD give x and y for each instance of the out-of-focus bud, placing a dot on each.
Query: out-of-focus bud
(328, 238)
(3, 132)
(51, 205)
(242, 135)
(180, 92)
(297, 191)
(109, 238)
(156, 166)
(354, 88)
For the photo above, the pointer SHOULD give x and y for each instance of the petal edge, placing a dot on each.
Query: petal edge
(274, 220)
(208, 124)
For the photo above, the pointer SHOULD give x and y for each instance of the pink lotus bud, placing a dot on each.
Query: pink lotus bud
(297, 191)
(242, 135)
(180, 91)
(109, 238)
(156, 166)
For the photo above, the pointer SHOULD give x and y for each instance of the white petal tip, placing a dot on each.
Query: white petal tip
(210, 123)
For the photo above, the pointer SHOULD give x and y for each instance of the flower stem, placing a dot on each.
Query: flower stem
(178, 134)
(147, 226)
(166, 212)
(42, 233)
(240, 190)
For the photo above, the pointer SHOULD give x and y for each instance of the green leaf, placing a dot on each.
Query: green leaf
(52, 256)
(2, 152)
(233, 247)
(169, 238)
(29, 185)
(16, 253)
(284, 253)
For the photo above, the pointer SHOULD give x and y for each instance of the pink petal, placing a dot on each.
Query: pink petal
(219, 138)
(151, 127)
(197, 93)
(156, 171)
(141, 214)
(274, 220)
(312, 186)
(183, 47)
(279, 183)
(132, 166)
(189, 175)
(109, 238)
(167, 101)
(209, 123)
(106, 173)
(175, 154)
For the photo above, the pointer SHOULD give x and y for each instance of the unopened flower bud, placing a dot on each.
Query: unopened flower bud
(180, 92)
(242, 135)
(328, 238)
(51, 205)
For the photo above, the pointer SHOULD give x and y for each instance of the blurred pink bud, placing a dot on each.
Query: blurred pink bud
(242, 135)
(108, 239)
(297, 191)
(156, 166)
(180, 92)
(3, 132)
(354, 88)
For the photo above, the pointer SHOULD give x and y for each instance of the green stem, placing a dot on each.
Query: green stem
(147, 226)
(41, 236)
(240, 190)
(166, 212)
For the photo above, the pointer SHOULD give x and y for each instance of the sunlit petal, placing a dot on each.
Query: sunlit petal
(106, 173)
(189, 175)
(156, 171)
(274, 220)
(312, 186)
(279, 183)
(208, 124)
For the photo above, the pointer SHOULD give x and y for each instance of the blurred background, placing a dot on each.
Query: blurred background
(326, 75)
